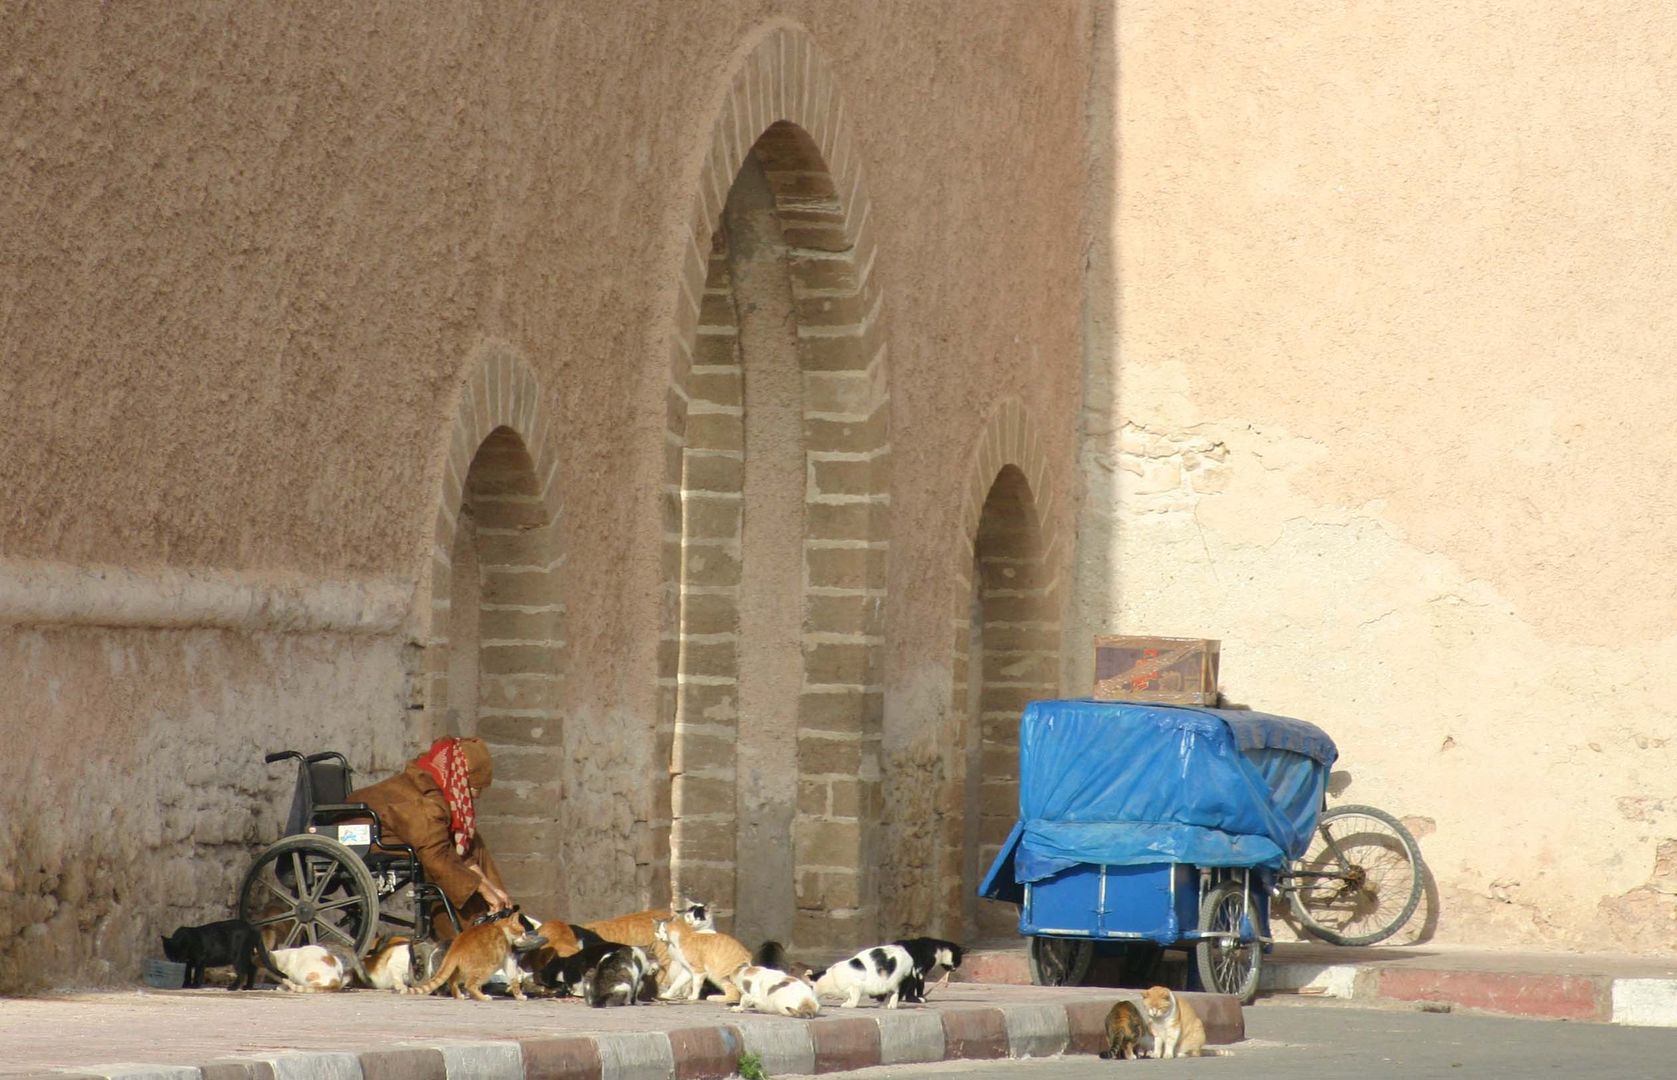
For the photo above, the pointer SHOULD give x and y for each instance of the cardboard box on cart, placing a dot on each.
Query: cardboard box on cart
(1156, 670)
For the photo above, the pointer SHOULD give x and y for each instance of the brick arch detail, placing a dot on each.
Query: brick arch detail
(1017, 619)
(783, 100)
(501, 457)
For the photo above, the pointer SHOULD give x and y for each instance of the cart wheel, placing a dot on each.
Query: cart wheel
(313, 891)
(1360, 880)
(1230, 961)
(1060, 961)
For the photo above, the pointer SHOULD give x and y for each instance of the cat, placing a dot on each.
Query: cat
(772, 954)
(389, 965)
(1176, 1027)
(623, 977)
(232, 941)
(564, 974)
(927, 953)
(701, 955)
(1125, 1032)
(877, 972)
(636, 929)
(564, 940)
(479, 953)
(772, 991)
(312, 969)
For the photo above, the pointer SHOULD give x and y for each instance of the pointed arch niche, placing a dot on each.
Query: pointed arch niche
(494, 652)
(1006, 652)
(777, 473)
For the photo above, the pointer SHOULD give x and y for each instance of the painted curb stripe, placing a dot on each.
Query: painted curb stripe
(910, 1037)
(640, 1055)
(483, 1061)
(1036, 1030)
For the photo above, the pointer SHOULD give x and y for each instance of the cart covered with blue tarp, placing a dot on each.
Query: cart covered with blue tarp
(1136, 821)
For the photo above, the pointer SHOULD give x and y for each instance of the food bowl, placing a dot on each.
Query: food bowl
(163, 974)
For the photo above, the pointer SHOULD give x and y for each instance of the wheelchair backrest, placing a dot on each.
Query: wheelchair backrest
(319, 783)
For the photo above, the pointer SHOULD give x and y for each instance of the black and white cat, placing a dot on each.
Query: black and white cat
(877, 972)
(217, 944)
(927, 953)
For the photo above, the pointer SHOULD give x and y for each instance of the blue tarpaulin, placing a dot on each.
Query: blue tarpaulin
(1126, 785)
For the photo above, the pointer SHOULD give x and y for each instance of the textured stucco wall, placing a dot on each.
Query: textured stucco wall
(251, 254)
(1396, 296)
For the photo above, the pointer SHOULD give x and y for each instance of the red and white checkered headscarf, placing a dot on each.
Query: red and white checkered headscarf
(446, 762)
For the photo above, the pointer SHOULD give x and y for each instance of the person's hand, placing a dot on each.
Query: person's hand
(492, 894)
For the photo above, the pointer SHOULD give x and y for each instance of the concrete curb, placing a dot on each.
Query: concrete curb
(829, 1043)
(1514, 985)
(1603, 999)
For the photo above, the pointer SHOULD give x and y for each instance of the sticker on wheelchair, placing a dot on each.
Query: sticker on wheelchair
(355, 835)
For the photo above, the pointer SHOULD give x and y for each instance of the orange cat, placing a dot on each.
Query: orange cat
(695, 957)
(1177, 1030)
(636, 929)
(479, 952)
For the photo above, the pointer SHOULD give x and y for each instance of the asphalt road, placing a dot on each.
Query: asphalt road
(1322, 1039)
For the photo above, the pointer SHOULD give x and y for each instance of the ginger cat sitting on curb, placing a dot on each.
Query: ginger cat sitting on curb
(1176, 1027)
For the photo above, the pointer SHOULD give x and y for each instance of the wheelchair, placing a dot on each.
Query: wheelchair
(333, 878)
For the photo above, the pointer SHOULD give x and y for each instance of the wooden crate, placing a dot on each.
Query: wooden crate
(1158, 670)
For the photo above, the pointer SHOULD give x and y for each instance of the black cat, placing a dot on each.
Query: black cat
(232, 941)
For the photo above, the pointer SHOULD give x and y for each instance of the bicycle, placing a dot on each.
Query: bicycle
(1360, 880)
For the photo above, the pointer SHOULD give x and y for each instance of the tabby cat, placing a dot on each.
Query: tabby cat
(1125, 1032)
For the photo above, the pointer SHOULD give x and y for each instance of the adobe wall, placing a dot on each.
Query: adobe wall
(1393, 327)
(275, 272)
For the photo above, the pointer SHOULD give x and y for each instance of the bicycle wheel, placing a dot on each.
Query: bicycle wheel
(1360, 880)
(311, 890)
(1231, 960)
(1060, 961)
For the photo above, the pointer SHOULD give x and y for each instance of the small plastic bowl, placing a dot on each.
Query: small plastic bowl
(163, 974)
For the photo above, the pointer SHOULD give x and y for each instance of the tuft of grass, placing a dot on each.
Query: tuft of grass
(751, 1067)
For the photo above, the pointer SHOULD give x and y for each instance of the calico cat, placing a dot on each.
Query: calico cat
(771, 991)
(564, 974)
(877, 972)
(315, 969)
(389, 966)
(700, 956)
(480, 952)
(622, 978)
(636, 929)
(232, 941)
(1125, 1032)
(927, 953)
(1176, 1027)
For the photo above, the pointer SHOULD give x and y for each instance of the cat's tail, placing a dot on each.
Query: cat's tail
(1212, 1051)
(444, 973)
(266, 960)
(770, 954)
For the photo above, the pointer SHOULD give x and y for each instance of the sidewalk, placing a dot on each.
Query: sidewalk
(1602, 988)
(215, 1034)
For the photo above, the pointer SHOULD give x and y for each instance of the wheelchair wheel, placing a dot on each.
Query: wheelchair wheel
(1059, 961)
(311, 890)
(1231, 959)
(1360, 881)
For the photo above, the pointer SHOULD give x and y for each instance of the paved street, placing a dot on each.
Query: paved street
(1289, 1039)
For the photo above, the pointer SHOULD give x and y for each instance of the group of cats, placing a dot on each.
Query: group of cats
(668, 955)
(1165, 1024)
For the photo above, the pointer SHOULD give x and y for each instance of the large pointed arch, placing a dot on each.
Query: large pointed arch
(1006, 646)
(492, 625)
(784, 120)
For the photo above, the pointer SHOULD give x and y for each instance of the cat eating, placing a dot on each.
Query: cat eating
(1126, 1032)
(217, 944)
